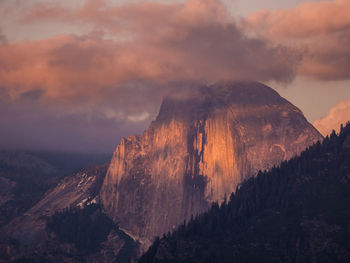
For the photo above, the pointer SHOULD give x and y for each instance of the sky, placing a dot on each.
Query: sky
(79, 75)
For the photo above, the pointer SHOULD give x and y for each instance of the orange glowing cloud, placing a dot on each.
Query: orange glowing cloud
(321, 29)
(309, 18)
(67, 90)
(153, 42)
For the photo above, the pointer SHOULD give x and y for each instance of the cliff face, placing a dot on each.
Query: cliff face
(198, 150)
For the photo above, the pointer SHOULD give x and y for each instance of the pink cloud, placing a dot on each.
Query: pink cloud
(308, 18)
(136, 53)
(320, 29)
(41, 11)
(3, 39)
(339, 114)
(153, 42)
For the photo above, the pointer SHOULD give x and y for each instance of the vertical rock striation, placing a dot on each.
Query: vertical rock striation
(198, 150)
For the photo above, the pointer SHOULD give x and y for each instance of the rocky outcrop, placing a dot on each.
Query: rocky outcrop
(199, 149)
(27, 238)
(25, 177)
(29, 229)
(79, 189)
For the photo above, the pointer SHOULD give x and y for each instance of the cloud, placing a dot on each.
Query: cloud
(320, 29)
(308, 18)
(41, 11)
(27, 125)
(112, 79)
(3, 39)
(139, 47)
(339, 114)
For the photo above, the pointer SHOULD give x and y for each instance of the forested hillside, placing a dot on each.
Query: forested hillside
(298, 212)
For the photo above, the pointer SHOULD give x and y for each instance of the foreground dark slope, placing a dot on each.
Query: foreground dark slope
(298, 212)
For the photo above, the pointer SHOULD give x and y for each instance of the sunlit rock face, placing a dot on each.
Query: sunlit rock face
(199, 149)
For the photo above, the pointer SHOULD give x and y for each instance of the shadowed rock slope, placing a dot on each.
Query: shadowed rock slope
(25, 176)
(298, 212)
(199, 149)
(67, 225)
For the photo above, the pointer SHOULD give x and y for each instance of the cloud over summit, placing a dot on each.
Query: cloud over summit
(111, 63)
(145, 41)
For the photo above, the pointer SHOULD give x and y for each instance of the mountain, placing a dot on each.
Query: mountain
(298, 212)
(67, 225)
(25, 176)
(201, 147)
(198, 150)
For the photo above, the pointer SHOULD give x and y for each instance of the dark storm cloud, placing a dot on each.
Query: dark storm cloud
(26, 125)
